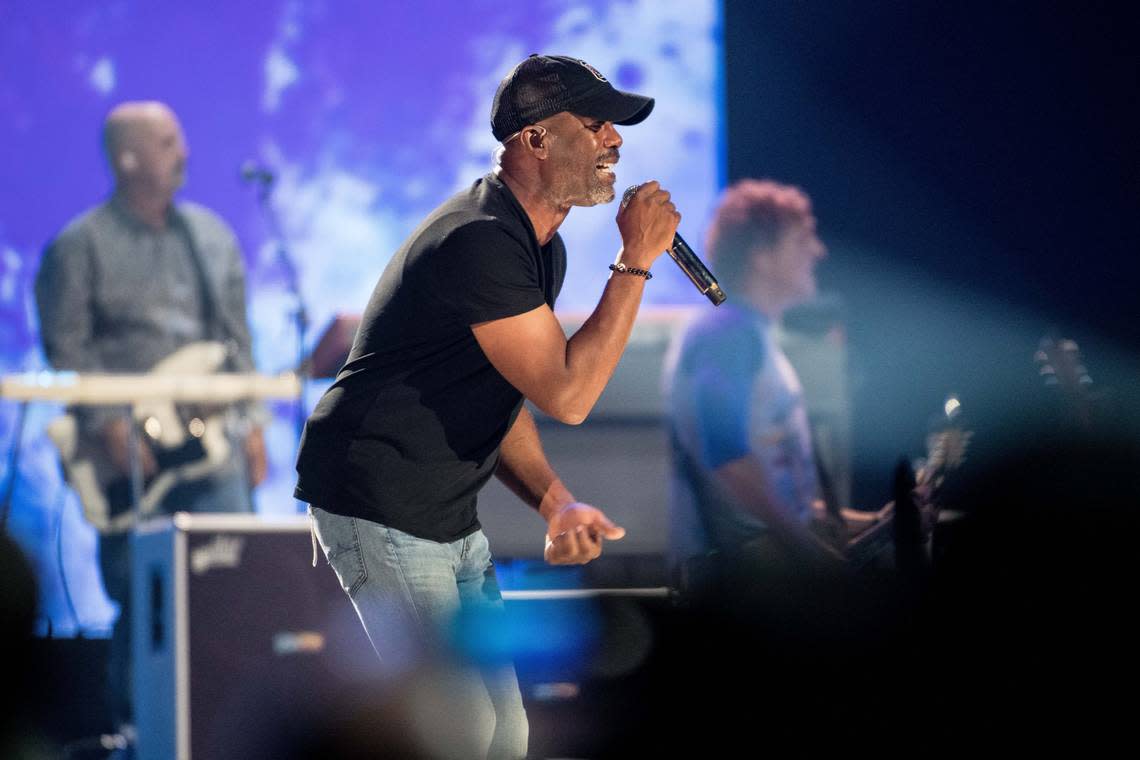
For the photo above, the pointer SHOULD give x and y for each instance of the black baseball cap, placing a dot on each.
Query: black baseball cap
(543, 85)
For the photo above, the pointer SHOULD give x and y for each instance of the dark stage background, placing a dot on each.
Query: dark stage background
(975, 172)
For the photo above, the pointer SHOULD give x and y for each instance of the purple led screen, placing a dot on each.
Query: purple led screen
(367, 114)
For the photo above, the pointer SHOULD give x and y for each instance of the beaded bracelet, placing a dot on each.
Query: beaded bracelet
(620, 267)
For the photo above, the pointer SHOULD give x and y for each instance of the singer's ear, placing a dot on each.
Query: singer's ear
(535, 138)
(128, 161)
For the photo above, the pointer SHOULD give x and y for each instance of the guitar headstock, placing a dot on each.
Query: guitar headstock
(1062, 370)
(1060, 365)
(947, 446)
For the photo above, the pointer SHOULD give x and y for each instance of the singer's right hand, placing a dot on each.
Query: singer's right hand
(647, 225)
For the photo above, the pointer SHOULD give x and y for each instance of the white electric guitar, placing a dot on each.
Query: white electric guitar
(179, 410)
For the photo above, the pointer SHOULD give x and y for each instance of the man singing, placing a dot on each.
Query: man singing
(458, 332)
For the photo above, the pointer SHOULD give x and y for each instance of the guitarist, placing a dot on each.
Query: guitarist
(124, 285)
(745, 483)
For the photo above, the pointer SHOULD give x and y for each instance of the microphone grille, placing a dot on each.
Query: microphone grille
(629, 193)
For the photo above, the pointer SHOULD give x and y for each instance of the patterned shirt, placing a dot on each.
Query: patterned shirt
(732, 392)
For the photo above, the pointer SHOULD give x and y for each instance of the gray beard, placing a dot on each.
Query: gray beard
(601, 194)
(596, 193)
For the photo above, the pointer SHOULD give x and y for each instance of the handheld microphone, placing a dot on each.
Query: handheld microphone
(688, 261)
(255, 173)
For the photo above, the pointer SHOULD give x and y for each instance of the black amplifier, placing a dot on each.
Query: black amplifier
(234, 632)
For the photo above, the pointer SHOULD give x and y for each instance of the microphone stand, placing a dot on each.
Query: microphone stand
(264, 181)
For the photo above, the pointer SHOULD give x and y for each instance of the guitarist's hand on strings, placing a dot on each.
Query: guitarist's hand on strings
(116, 437)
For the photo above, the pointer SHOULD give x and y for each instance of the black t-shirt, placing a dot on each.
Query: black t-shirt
(410, 431)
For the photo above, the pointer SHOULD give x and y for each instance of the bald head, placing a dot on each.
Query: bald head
(145, 147)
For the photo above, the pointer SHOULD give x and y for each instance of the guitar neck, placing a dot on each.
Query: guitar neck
(865, 545)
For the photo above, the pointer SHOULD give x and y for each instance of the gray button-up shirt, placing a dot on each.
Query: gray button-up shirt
(115, 295)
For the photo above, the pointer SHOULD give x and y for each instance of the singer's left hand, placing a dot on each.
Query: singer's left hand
(575, 534)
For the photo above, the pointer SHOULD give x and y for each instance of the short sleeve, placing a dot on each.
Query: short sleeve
(722, 366)
(484, 273)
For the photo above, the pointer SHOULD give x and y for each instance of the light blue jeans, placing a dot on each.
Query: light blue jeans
(407, 590)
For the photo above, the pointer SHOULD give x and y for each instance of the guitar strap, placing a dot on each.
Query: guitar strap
(694, 475)
(211, 316)
(826, 484)
(696, 571)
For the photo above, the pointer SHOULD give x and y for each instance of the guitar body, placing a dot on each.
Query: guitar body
(858, 535)
(189, 442)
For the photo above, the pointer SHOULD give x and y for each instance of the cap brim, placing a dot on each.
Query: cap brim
(624, 108)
